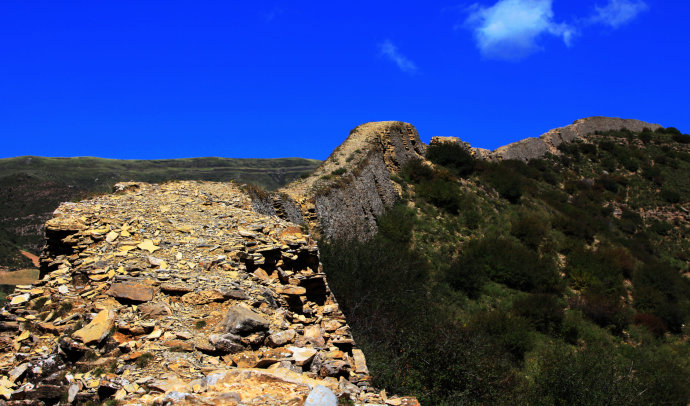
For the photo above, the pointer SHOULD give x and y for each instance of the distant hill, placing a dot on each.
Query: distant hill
(32, 187)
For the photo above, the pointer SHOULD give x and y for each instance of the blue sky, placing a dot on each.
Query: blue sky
(167, 79)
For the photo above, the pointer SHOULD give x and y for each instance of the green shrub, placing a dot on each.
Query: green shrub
(396, 223)
(144, 359)
(663, 374)
(592, 376)
(595, 269)
(530, 228)
(338, 171)
(508, 332)
(654, 324)
(588, 149)
(453, 156)
(630, 164)
(379, 283)
(606, 145)
(508, 183)
(646, 137)
(670, 130)
(609, 183)
(660, 290)
(670, 195)
(609, 163)
(681, 138)
(543, 311)
(441, 193)
(466, 278)
(661, 227)
(412, 347)
(416, 171)
(506, 261)
(603, 308)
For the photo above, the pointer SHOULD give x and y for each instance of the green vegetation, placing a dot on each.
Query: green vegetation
(31, 188)
(556, 282)
(144, 359)
(338, 171)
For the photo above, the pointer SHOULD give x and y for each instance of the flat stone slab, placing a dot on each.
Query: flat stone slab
(134, 292)
(98, 329)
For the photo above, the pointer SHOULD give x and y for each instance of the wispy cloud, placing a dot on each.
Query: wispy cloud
(618, 12)
(511, 29)
(390, 51)
(273, 13)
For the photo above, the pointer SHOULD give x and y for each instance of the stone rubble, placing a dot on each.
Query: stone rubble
(178, 294)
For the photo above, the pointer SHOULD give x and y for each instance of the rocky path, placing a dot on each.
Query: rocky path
(178, 293)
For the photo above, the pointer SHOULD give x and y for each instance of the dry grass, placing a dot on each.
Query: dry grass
(20, 277)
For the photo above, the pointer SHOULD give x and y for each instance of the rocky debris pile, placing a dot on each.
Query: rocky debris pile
(178, 293)
(531, 148)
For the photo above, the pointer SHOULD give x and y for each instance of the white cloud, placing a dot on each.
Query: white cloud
(618, 12)
(510, 29)
(390, 51)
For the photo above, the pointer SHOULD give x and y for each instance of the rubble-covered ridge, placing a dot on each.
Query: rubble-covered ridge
(178, 293)
(345, 194)
(534, 148)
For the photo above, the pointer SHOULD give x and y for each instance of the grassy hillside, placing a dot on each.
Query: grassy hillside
(32, 187)
(559, 281)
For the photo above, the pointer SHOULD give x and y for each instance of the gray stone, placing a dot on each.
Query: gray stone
(228, 343)
(243, 321)
(281, 338)
(154, 310)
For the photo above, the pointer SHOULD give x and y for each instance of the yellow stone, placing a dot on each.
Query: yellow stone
(98, 329)
(148, 246)
(120, 394)
(5, 387)
(19, 299)
(131, 387)
(23, 336)
(184, 229)
(156, 333)
(111, 236)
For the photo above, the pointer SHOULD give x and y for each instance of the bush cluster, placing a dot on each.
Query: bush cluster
(503, 260)
(543, 311)
(435, 186)
(453, 156)
(506, 178)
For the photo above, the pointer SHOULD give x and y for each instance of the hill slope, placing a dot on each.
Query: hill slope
(560, 279)
(32, 187)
